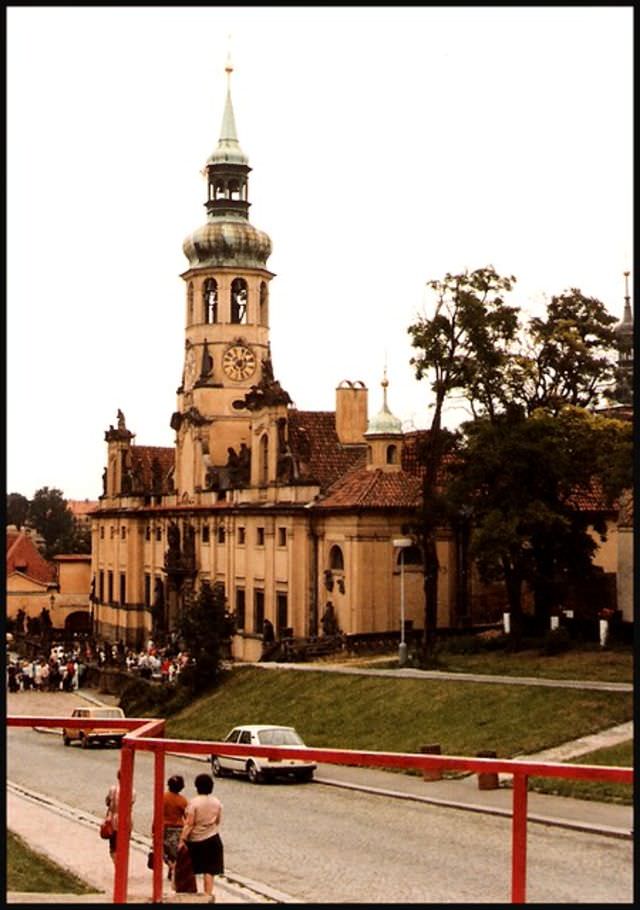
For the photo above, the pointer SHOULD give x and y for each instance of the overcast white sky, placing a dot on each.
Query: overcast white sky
(389, 145)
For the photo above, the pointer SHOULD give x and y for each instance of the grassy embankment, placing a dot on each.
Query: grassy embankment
(399, 715)
(28, 871)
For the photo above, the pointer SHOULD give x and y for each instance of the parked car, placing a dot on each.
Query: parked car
(257, 768)
(88, 735)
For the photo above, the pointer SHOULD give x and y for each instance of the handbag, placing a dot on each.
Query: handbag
(106, 828)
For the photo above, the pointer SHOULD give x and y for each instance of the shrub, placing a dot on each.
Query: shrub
(556, 641)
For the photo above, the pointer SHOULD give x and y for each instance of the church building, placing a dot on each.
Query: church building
(295, 512)
(301, 515)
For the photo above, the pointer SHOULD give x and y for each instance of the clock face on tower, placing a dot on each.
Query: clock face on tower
(239, 362)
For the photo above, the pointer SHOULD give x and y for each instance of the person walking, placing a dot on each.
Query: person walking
(112, 801)
(173, 812)
(201, 833)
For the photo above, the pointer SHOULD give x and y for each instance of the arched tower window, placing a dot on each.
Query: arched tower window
(264, 459)
(336, 559)
(190, 303)
(239, 294)
(220, 191)
(210, 300)
(264, 303)
(392, 454)
(234, 189)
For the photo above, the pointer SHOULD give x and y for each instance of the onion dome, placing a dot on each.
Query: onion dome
(228, 242)
(384, 423)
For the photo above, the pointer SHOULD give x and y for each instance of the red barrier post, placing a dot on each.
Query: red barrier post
(121, 876)
(158, 825)
(519, 839)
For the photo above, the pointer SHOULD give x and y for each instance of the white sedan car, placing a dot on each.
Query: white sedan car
(257, 768)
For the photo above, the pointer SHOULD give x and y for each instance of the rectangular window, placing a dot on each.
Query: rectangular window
(147, 589)
(282, 537)
(101, 586)
(205, 534)
(221, 534)
(281, 614)
(110, 587)
(101, 532)
(240, 608)
(158, 533)
(260, 537)
(258, 610)
(123, 588)
(147, 533)
(241, 536)
(111, 532)
(123, 532)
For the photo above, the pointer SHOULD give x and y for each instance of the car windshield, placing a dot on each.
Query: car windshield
(279, 737)
(107, 712)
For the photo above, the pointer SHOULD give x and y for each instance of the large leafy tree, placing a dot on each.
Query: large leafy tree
(463, 348)
(202, 629)
(524, 480)
(50, 516)
(17, 509)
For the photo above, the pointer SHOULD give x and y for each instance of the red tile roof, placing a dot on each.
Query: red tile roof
(320, 454)
(142, 458)
(375, 489)
(23, 556)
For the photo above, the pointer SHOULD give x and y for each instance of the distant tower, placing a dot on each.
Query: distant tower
(384, 436)
(624, 339)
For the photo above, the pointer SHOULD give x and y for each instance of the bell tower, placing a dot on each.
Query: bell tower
(226, 315)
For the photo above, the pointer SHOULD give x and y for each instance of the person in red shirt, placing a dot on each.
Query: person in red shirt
(173, 811)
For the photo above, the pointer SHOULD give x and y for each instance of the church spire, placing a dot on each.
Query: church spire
(227, 168)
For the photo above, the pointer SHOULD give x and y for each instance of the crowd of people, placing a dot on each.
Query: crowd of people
(64, 666)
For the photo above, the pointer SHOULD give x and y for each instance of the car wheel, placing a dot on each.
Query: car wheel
(305, 775)
(66, 740)
(255, 775)
(216, 767)
(84, 740)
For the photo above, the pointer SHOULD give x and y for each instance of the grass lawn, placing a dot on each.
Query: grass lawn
(399, 715)
(621, 754)
(32, 872)
(593, 663)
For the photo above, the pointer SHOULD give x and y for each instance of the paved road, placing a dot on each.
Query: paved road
(295, 837)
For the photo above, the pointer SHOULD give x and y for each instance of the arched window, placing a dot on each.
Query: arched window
(239, 295)
(336, 559)
(190, 303)
(220, 191)
(234, 189)
(412, 556)
(392, 454)
(264, 459)
(264, 304)
(210, 300)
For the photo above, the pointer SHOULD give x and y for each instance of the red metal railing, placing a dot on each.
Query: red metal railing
(147, 735)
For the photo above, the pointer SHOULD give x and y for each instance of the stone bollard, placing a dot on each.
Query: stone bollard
(431, 749)
(487, 780)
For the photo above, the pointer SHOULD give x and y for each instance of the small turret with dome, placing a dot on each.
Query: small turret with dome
(227, 238)
(624, 340)
(384, 435)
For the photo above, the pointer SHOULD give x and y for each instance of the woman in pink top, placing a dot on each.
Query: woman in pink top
(201, 834)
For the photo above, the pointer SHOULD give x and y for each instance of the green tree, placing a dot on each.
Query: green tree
(524, 478)
(202, 630)
(463, 348)
(568, 357)
(49, 515)
(17, 509)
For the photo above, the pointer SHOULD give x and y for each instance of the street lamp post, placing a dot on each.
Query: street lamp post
(402, 543)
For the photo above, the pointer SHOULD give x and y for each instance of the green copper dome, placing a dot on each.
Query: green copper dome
(384, 423)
